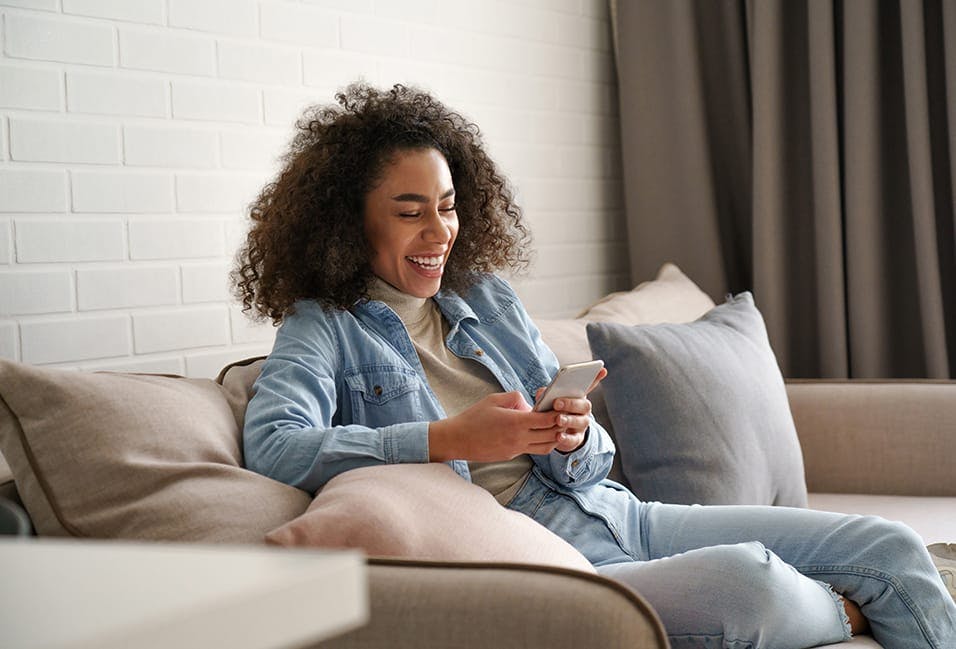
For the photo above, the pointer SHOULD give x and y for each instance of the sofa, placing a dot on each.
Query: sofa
(158, 458)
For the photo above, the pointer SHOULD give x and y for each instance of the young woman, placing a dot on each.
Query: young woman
(375, 250)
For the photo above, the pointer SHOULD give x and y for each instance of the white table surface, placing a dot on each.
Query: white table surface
(72, 594)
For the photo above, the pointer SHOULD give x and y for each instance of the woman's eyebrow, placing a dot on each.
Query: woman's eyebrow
(420, 198)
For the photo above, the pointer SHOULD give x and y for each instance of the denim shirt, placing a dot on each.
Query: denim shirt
(345, 389)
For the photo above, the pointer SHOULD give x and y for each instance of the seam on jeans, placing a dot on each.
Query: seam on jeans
(615, 533)
(893, 582)
(536, 502)
(574, 498)
(710, 639)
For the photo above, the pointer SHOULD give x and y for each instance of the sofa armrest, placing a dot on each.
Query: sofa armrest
(434, 605)
(877, 437)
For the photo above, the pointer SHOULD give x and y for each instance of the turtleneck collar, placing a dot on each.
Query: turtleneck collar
(409, 308)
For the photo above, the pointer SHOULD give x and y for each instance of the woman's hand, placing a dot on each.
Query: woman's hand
(499, 427)
(503, 426)
(578, 412)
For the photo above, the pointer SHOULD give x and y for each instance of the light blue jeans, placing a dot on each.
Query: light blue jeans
(749, 577)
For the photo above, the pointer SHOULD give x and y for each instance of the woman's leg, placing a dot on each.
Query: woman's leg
(881, 566)
(738, 596)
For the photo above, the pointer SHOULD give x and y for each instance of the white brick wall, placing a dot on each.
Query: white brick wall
(175, 238)
(8, 340)
(215, 101)
(206, 282)
(46, 140)
(27, 292)
(165, 146)
(238, 17)
(288, 22)
(157, 49)
(265, 64)
(5, 255)
(51, 38)
(180, 329)
(256, 150)
(134, 134)
(122, 192)
(126, 286)
(216, 192)
(137, 11)
(120, 94)
(78, 239)
(74, 339)
(31, 88)
(25, 190)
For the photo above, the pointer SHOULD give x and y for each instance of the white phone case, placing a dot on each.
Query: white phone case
(571, 381)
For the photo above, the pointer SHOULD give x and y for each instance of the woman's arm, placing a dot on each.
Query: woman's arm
(288, 433)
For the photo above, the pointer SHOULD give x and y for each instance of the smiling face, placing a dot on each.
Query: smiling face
(410, 221)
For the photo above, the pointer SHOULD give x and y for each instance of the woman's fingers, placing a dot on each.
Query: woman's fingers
(600, 377)
(573, 406)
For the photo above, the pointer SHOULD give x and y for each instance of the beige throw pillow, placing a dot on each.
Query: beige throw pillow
(422, 511)
(132, 456)
(6, 475)
(669, 297)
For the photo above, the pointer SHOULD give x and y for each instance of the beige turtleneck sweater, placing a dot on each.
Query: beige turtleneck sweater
(457, 382)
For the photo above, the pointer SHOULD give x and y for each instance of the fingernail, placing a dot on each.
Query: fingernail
(562, 420)
(559, 404)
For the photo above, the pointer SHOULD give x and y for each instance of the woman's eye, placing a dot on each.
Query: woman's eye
(450, 208)
(410, 215)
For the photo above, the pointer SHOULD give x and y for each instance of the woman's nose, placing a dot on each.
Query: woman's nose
(435, 228)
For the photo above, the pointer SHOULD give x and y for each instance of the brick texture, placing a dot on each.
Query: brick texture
(134, 134)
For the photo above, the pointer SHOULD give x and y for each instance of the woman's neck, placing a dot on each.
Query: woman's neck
(409, 308)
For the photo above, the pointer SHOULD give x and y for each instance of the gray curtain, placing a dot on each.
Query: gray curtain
(806, 151)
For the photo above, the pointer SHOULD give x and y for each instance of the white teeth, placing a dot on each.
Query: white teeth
(430, 262)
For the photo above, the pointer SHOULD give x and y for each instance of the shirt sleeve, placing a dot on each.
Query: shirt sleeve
(583, 467)
(288, 433)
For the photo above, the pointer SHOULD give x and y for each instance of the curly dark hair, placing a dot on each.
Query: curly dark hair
(307, 241)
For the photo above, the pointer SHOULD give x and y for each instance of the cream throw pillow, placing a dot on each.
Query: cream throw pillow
(422, 511)
(133, 456)
(669, 297)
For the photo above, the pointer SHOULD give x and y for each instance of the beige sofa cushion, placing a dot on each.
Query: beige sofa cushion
(933, 518)
(133, 456)
(906, 428)
(423, 511)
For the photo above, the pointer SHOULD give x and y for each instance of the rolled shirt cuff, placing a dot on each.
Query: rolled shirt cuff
(405, 443)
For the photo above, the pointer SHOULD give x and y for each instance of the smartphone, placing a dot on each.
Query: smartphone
(571, 381)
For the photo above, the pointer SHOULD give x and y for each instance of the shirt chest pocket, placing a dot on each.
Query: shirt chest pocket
(383, 395)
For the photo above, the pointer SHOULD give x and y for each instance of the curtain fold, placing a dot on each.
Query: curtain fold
(805, 151)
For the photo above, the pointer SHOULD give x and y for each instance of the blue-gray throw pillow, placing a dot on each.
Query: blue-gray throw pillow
(700, 409)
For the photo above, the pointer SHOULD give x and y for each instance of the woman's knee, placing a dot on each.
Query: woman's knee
(759, 593)
(757, 571)
(878, 539)
(740, 592)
